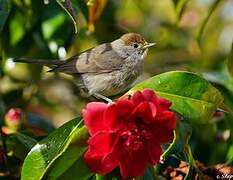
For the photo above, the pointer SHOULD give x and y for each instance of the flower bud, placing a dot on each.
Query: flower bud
(14, 118)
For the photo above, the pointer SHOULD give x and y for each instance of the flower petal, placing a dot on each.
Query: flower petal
(161, 135)
(95, 163)
(111, 161)
(154, 151)
(93, 116)
(164, 104)
(144, 112)
(102, 156)
(167, 119)
(149, 95)
(114, 116)
(102, 143)
(134, 163)
(124, 107)
(153, 109)
(137, 98)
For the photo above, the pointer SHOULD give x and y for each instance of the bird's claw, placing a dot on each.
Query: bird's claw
(99, 96)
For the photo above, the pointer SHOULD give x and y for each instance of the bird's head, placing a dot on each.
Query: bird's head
(132, 45)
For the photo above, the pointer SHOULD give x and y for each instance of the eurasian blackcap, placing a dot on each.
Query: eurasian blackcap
(107, 69)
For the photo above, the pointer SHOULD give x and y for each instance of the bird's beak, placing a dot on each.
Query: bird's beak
(147, 45)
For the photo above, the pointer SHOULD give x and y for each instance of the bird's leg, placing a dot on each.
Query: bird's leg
(99, 96)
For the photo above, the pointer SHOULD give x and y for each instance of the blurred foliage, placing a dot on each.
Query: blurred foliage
(230, 62)
(192, 35)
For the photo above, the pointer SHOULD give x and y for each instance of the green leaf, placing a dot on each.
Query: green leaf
(223, 79)
(67, 6)
(180, 6)
(50, 26)
(230, 155)
(5, 6)
(83, 8)
(17, 31)
(71, 160)
(20, 144)
(44, 153)
(192, 96)
(230, 62)
(148, 175)
(99, 177)
(204, 24)
(78, 169)
(65, 161)
(27, 141)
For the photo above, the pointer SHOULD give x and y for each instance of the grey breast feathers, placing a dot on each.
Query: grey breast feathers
(96, 60)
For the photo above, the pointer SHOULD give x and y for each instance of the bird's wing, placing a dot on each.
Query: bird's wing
(96, 60)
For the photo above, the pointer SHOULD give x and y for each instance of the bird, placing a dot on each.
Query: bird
(105, 70)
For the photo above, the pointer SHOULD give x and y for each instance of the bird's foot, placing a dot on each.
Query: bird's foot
(99, 96)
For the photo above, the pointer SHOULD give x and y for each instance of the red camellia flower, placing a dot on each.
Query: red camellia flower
(128, 133)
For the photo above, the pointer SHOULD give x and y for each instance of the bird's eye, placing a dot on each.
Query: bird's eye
(135, 45)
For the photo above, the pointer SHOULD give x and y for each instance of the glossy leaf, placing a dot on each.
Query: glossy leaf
(192, 96)
(78, 169)
(71, 158)
(230, 62)
(44, 153)
(4, 12)
(67, 6)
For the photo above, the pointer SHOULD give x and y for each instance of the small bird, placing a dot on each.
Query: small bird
(105, 70)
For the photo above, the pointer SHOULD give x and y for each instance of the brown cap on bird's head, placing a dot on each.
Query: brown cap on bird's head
(130, 38)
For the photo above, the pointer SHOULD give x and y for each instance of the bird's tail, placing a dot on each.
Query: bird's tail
(46, 62)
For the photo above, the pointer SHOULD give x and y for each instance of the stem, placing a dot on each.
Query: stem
(170, 148)
(192, 161)
(228, 110)
(3, 137)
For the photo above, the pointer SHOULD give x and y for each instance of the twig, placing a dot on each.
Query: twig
(4, 149)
